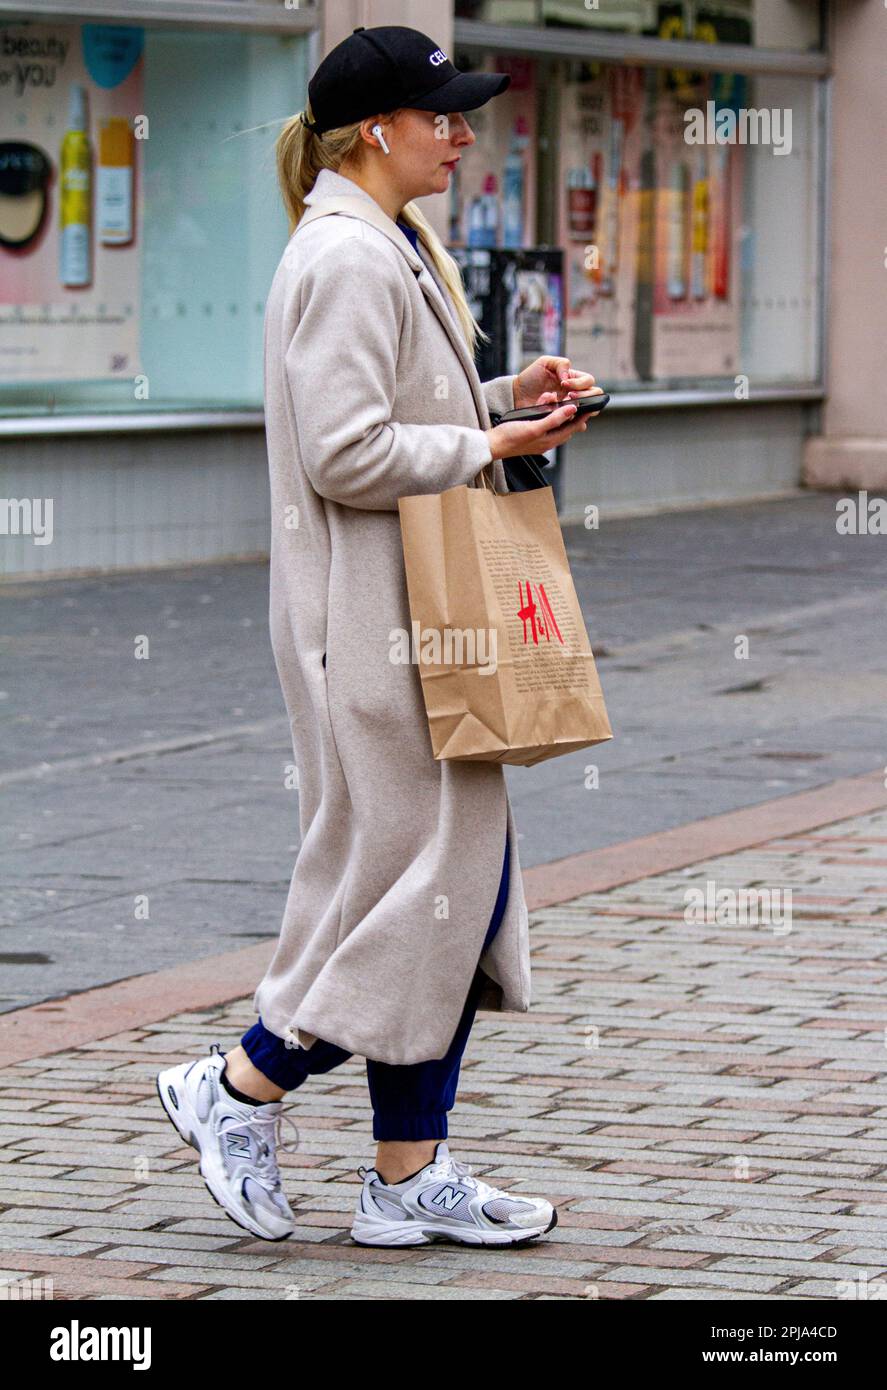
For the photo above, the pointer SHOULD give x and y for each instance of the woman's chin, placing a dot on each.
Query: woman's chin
(437, 183)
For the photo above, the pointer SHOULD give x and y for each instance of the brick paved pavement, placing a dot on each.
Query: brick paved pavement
(705, 1103)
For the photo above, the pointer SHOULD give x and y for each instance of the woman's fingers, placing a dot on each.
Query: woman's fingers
(559, 417)
(553, 430)
(538, 436)
(578, 381)
(534, 428)
(571, 426)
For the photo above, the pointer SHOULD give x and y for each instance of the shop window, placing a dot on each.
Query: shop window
(685, 207)
(788, 24)
(689, 261)
(142, 219)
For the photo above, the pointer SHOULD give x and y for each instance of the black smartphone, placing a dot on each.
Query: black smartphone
(584, 406)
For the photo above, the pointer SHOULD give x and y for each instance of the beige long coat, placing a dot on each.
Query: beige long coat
(371, 394)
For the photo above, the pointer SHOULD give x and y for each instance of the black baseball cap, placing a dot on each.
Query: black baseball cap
(387, 67)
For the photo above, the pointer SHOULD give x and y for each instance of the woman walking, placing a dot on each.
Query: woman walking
(406, 910)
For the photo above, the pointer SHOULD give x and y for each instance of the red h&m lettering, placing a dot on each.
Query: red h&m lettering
(537, 613)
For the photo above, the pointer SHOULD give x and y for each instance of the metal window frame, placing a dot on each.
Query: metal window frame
(190, 420)
(638, 49)
(122, 422)
(273, 18)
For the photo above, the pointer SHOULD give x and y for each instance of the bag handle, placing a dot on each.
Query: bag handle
(485, 481)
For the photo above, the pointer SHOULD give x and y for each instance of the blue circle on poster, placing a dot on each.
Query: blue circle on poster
(111, 51)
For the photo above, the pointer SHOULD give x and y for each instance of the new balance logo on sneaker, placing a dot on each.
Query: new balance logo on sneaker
(238, 1145)
(448, 1197)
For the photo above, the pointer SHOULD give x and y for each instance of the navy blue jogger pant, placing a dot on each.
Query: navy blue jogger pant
(409, 1102)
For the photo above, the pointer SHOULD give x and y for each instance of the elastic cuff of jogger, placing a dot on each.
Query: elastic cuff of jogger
(283, 1066)
(390, 1126)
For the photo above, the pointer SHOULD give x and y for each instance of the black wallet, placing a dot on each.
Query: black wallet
(523, 472)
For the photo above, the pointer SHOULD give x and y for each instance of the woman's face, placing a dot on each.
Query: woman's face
(425, 149)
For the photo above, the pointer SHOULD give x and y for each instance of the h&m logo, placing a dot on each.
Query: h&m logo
(437, 57)
(536, 614)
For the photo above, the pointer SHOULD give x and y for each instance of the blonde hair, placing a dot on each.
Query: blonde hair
(301, 155)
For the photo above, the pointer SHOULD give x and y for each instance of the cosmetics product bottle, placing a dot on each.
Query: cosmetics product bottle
(700, 236)
(114, 185)
(676, 276)
(720, 257)
(477, 229)
(513, 181)
(76, 195)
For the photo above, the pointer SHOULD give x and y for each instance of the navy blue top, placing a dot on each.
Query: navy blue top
(411, 235)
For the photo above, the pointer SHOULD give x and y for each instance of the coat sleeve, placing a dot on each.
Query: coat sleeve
(499, 393)
(341, 365)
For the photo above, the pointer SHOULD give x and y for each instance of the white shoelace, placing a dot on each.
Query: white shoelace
(456, 1171)
(267, 1171)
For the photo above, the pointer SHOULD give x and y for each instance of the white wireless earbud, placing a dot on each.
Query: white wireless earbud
(377, 131)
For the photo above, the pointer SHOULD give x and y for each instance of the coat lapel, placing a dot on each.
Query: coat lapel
(360, 204)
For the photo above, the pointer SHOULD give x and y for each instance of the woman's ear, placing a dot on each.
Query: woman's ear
(368, 129)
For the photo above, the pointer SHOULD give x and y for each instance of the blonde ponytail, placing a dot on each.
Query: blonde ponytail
(448, 270)
(300, 157)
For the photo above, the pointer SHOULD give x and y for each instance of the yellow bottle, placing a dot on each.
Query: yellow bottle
(114, 187)
(75, 256)
(700, 241)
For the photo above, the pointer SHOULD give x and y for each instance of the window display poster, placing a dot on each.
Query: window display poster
(70, 201)
(493, 190)
(534, 317)
(649, 225)
(598, 214)
(698, 191)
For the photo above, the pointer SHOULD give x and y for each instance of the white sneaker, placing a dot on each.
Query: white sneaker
(442, 1202)
(236, 1143)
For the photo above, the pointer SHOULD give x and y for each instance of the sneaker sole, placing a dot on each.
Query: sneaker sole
(239, 1220)
(403, 1233)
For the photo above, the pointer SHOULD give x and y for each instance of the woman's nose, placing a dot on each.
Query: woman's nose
(461, 132)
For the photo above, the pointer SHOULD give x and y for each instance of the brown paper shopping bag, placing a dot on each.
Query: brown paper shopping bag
(504, 659)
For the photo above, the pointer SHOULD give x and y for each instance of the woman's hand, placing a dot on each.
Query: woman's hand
(553, 377)
(540, 435)
(536, 436)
